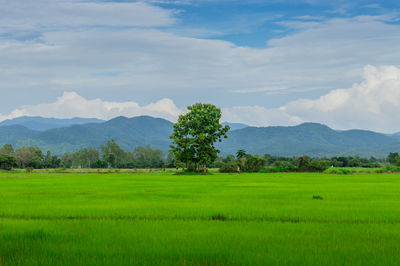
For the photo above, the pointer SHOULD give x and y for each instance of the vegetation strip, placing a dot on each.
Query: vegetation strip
(212, 218)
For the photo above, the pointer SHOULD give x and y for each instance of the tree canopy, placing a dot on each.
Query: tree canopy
(7, 161)
(195, 134)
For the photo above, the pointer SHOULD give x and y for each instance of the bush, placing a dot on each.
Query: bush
(219, 217)
(389, 169)
(251, 163)
(99, 164)
(29, 169)
(318, 165)
(229, 167)
(279, 169)
(339, 171)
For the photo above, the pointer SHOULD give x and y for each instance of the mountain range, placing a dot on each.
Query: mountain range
(42, 124)
(68, 135)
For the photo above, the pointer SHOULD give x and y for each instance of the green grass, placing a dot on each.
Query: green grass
(218, 219)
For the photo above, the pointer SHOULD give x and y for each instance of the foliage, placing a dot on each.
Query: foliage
(303, 162)
(99, 164)
(268, 163)
(390, 169)
(317, 165)
(147, 157)
(315, 140)
(240, 154)
(29, 157)
(394, 158)
(230, 167)
(7, 149)
(127, 132)
(29, 169)
(111, 156)
(112, 153)
(312, 139)
(340, 171)
(7, 162)
(51, 161)
(195, 134)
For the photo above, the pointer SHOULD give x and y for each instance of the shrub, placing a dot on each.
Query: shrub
(229, 167)
(29, 169)
(219, 217)
(278, 169)
(99, 164)
(318, 165)
(339, 171)
(390, 169)
(303, 163)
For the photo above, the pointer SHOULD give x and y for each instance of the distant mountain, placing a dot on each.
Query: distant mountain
(396, 135)
(43, 124)
(234, 126)
(309, 138)
(127, 132)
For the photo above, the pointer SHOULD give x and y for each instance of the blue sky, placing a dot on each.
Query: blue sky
(277, 62)
(252, 23)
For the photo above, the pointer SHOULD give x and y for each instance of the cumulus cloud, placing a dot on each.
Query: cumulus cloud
(372, 104)
(70, 104)
(121, 50)
(322, 55)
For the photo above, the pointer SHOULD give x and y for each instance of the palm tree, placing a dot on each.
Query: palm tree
(240, 154)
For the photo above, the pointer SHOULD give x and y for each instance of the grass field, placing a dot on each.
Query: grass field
(219, 219)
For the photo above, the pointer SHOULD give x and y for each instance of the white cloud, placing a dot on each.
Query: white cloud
(308, 17)
(327, 54)
(265, 90)
(150, 63)
(25, 14)
(70, 104)
(373, 104)
(259, 116)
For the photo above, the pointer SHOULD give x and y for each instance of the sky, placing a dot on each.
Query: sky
(264, 63)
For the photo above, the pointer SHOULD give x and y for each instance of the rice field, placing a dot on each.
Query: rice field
(50, 218)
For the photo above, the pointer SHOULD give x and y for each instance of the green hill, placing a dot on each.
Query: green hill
(308, 138)
(127, 132)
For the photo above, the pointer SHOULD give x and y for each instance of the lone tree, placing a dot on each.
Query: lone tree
(195, 134)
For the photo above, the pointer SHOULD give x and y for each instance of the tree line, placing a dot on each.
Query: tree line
(110, 155)
(253, 163)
